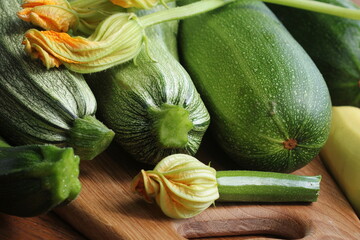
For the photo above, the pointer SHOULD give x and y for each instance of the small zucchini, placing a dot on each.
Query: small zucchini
(269, 105)
(40, 106)
(183, 186)
(152, 105)
(333, 44)
(36, 178)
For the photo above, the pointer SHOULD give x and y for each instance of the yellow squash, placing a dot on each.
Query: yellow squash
(341, 153)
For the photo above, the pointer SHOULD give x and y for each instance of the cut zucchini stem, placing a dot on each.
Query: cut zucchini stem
(34, 179)
(183, 186)
(172, 125)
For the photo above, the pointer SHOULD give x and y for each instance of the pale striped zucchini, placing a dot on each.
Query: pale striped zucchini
(44, 106)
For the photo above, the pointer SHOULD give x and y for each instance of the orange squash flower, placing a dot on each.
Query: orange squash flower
(49, 14)
(106, 47)
(61, 15)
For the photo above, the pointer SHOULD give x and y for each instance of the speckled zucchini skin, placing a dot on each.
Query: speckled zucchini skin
(127, 92)
(334, 45)
(269, 104)
(40, 106)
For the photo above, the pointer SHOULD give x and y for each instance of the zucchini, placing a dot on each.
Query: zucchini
(37, 178)
(152, 106)
(183, 186)
(333, 44)
(269, 104)
(40, 106)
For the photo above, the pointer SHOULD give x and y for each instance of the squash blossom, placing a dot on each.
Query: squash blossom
(62, 16)
(117, 39)
(49, 14)
(181, 185)
(120, 37)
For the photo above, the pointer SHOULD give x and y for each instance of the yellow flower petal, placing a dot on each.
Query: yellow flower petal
(51, 47)
(181, 185)
(49, 14)
(116, 40)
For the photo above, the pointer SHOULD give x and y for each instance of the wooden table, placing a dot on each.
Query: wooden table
(332, 214)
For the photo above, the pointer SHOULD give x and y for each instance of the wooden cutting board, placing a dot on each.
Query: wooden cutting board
(107, 209)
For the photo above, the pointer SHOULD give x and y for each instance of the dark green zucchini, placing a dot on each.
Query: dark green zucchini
(152, 106)
(334, 45)
(37, 178)
(40, 106)
(269, 105)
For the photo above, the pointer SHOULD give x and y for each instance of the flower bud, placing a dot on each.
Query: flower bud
(180, 184)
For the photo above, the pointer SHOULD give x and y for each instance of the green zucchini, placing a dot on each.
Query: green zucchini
(259, 186)
(152, 105)
(269, 105)
(333, 44)
(183, 186)
(37, 178)
(40, 106)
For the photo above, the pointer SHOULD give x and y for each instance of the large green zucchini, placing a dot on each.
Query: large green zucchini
(334, 45)
(152, 106)
(44, 106)
(269, 105)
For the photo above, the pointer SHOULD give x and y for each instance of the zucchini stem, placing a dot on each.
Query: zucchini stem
(319, 7)
(172, 125)
(203, 6)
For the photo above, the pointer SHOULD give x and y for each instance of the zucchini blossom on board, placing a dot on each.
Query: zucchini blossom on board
(181, 185)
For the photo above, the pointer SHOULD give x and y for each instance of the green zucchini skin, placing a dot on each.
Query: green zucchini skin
(333, 44)
(34, 179)
(258, 186)
(262, 90)
(40, 106)
(3, 143)
(133, 97)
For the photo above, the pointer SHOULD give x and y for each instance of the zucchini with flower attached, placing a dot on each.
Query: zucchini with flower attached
(40, 106)
(183, 186)
(34, 179)
(269, 104)
(152, 105)
(333, 43)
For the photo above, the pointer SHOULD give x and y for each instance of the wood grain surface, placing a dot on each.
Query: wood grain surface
(107, 209)
(46, 227)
